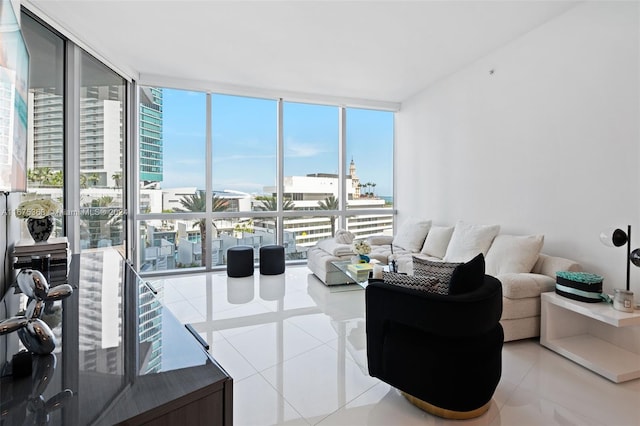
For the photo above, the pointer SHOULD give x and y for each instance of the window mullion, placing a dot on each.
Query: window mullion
(342, 173)
(72, 146)
(208, 187)
(280, 173)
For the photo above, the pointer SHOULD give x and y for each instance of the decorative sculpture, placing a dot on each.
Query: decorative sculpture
(28, 405)
(35, 334)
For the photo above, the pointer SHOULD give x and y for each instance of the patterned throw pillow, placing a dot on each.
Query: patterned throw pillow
(440, 271)
(410, 281)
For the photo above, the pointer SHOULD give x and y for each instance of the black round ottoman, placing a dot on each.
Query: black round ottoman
(271, 260)
(240, 261)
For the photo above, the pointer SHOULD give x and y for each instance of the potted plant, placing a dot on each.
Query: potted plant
(39, 215)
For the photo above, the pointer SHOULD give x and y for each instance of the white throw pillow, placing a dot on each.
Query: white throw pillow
(437, 241)
(469, 240)
(513, 254)
(411, 234)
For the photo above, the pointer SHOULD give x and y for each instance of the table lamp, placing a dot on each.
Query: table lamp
(617, 238)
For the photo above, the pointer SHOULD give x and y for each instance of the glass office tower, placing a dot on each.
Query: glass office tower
(150, 135)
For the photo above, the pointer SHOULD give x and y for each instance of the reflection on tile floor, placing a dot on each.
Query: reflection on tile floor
(297, 353)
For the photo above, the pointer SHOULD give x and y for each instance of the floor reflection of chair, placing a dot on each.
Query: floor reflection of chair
(272, 287)
(240, 290)
(341, 322)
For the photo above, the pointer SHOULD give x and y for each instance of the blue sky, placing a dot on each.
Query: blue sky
(245, 140)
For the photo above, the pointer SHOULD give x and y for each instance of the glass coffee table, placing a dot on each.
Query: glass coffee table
(357, 279)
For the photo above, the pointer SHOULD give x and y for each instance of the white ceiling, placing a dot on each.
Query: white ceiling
(372, 50)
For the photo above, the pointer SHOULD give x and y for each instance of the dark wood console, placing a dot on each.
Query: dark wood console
(122, 355)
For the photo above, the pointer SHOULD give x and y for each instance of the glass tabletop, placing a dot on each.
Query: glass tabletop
(356, 272)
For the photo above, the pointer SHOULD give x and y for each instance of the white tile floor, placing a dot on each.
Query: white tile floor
(297, 354)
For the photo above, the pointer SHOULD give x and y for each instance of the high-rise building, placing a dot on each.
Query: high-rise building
(101, 132)
(150, 135)
(46, 128)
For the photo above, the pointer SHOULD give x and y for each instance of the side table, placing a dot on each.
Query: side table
(593, 335)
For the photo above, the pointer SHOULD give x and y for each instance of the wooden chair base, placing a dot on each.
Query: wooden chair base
(443, 412)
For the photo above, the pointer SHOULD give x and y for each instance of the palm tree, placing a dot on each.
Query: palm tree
(117, 178)
(41, 175)
(93, 179)
(49, 177)
(101, 219)
(197, 203)
(32, 175)
(57, 179)
(270, 204)
(373, 190)
(330, 203)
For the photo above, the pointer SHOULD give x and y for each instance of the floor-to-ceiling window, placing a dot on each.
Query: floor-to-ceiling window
(102, 133)
(255, 171)
(311, 172)
(246, 170)
(77, 110)
(172, 178)
(243, 169)
(45, 138)
(369, 164)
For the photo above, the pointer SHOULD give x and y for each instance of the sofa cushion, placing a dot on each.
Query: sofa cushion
(467, 276)
(518, 286)
(437, 240)
(513, 253)
(468, 240)
(411, 234)
(380, 240)
(549, 265)
(428, 284)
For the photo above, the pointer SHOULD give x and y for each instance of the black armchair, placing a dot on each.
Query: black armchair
(444, 353)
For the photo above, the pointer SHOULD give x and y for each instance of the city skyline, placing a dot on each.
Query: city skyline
(245, 138)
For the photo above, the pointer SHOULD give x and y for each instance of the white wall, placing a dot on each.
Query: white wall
(548, 143)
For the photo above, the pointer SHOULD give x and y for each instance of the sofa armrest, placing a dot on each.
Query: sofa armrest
(549, 265)
(334, 248)
(380, 240)
(521, 286)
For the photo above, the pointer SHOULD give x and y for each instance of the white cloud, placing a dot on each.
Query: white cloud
(295, 148)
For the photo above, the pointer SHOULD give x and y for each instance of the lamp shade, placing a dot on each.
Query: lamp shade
(634, 257)
(614, 237)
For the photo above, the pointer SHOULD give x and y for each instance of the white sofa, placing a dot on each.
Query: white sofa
(516, 261)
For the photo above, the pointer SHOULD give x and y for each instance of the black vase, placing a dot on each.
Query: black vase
(40, 229)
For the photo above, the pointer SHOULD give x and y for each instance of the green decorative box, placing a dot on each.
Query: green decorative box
(582, 286)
